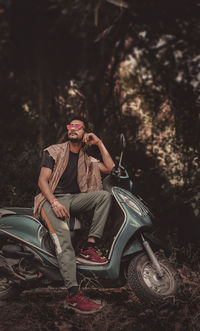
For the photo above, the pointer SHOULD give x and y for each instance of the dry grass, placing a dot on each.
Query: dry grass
(42, 310)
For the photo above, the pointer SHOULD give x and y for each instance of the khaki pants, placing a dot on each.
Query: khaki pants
(100, 202)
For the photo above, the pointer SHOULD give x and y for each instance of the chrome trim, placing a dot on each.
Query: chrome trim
(117, 235)
(40, 237)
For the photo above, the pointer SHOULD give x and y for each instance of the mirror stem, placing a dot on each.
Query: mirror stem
(120, 160)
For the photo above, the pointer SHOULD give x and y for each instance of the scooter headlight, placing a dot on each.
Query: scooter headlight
(132, 204)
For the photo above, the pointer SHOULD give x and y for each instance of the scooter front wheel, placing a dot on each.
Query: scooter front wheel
(146, 283)
(8, 289)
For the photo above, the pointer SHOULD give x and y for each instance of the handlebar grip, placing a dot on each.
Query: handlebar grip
(116, 169)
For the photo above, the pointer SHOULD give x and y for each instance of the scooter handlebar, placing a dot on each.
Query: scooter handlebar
(115, 172)
(117, 158)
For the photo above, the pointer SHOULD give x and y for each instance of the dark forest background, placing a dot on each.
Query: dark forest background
(129, 66)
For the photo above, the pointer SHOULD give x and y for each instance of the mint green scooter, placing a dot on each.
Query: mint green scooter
(28, 260)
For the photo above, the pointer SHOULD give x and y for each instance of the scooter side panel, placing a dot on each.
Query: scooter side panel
(20, 226)
(25, 229)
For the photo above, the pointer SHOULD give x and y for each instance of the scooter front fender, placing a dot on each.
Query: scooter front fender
(133, 247)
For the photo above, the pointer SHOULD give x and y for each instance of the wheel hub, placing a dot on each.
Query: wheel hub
(159, 285)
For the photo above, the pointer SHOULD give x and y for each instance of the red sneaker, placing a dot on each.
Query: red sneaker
(90, 256)
(82, 304)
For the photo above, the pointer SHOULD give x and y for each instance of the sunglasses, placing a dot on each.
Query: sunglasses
(74, 126)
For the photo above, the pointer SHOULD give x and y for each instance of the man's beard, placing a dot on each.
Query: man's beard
(75, 139)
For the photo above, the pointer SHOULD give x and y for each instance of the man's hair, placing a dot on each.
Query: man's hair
(82, 119)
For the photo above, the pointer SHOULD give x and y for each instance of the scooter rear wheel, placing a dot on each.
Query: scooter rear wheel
(8, 289)
(145, 282)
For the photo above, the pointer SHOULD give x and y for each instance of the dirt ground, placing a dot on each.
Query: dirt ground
(42, 309)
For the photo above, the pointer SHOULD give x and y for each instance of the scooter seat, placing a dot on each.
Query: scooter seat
(16, 210)
(74, 221)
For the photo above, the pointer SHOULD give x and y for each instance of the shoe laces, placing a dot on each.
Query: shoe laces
(97, 251)
(82, 298)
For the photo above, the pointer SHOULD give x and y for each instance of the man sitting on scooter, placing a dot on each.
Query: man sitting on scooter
(70, 183)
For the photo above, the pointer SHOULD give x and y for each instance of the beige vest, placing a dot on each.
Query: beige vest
(88, 178)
